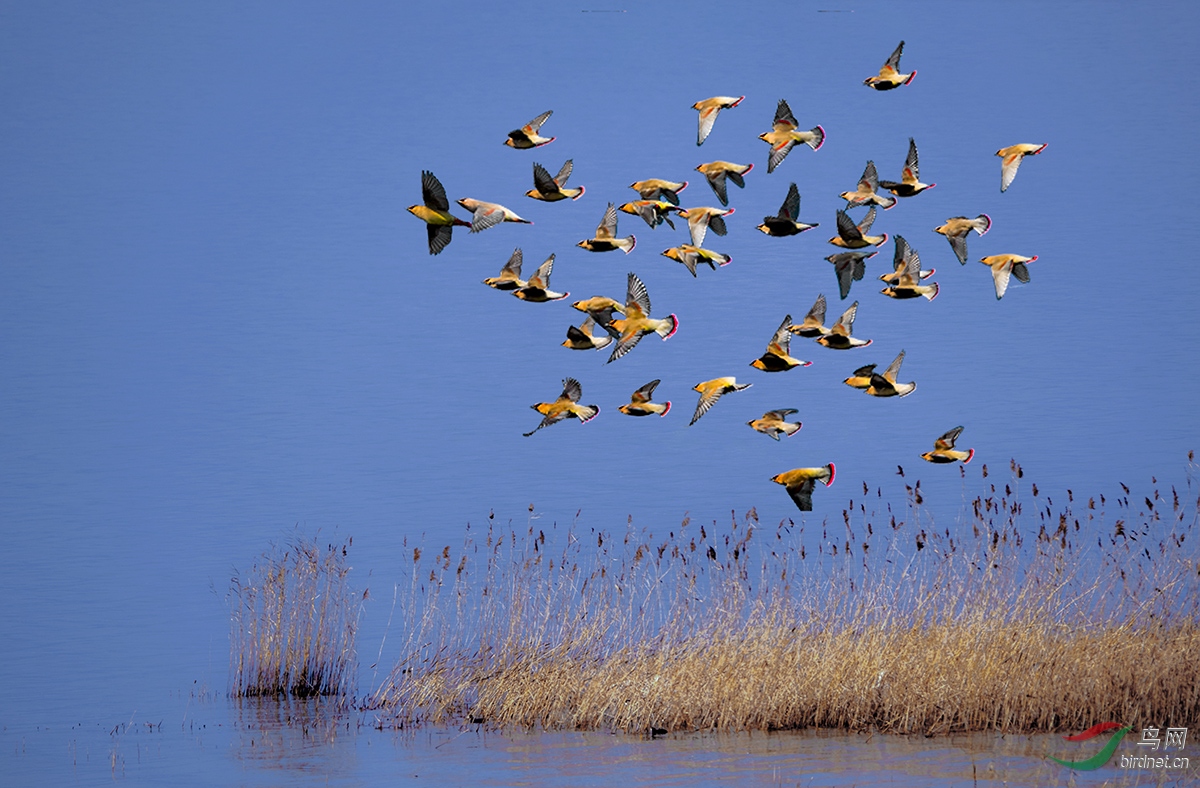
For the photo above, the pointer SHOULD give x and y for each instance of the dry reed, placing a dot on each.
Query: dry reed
(293, 623)
(1028, 617)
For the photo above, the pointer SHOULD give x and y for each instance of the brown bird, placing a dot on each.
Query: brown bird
(435, 213)
(510, 274)
(900, 260)
(653, 212)
(713, 390)
(801, 481)
(905, 281)
(839, 337)
(783, 136)
(655, 188)
(787, 222)
(1010, 160)
(527, 136)
(565, 407)
(861, 379)
(814, 321)
(867, 192)
(890, 76)
(943, 449)
(852, 236)
(777, 357)
(537, 289)
(957, 228)
(885, 385)
(640, 404)
(606, 239)
(700, 219)
(773, 423)
(691, 256)
(1003, 265)
(583, 338)
(553, 189)
(850, 267)
(910, 182)
(709, 109)
(637, 321)
(488, 214)
(717, 172)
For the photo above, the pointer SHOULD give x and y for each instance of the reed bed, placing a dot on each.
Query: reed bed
(293, 623)
(1027, 616)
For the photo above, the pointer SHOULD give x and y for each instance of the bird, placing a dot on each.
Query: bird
(1003, 265)
(713, 390)
(867, 192)
(701, 219)
(709, 109)
(691, 256)
(640, 404)
(957, 228)
(783, 136)
(527, 136)
(787, 221)
(943, 449)
(852, 236)
(890, 76)
(653, 212)
(910, 182)
(905, 281)
(435, 213)
(850, 267)
(637, 322)
(654, 188)
(778, 357)
(800, 482)
(537, 289)
(583, 338)
(839, 337)
(885, 385)
(814, 321)
(565, 407)
(553, 189)
(1010, 160)
(773, 424)
(606, 239)
(861, 379)
(488, 214)
(717, 172)
(510, 274)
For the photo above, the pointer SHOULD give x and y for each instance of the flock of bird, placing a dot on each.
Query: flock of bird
(622, 324)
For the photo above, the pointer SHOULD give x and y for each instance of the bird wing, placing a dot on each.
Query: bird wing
(959, 244)
(779, 153)
(817, 312)
(717, 224)
(439, 236)
(542, 180)
(845, 323)
(626, 342)
(717, 181)
(893, 369)
(513, 266)
(708, 116)
(864, 226)
(869, 182)
(541, 278)
(572, 390)
(866, 371)
(698, 225)
(901, 254)
(845, 268)
(432, 193)
(1008, 168)
(707, 400)
(1021, 272)
(532, 126)
(947, 441)
(780, 344)
(779, 415)
(846, 227)
(608, 225)
(910, 163)
(636, 298)
(802, 493)
(784, 117)
(893, 61)
(564, 173)
(1000, 274)
(578, 334)
(645, 392)
(552, 418)
(485, 216)
(790, 209)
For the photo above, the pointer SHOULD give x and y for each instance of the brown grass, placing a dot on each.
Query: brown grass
(293, 623)
(1028, 617)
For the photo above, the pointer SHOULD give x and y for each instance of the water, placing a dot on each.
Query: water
(218, 324)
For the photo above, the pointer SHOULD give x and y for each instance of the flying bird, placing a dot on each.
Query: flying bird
(527, 136)
(637, 322)
(800, 482)
(905, 280)
(787, 221)
(910, 182)
(1003, 265)
(488, 214)
(943, 449)
(814, 321)
(435, 212)
(653, 212)
(510, 274)
(584, 338)
(867, 192)
(854, 236)
(709, 109)
(553, 189)
(778, 358)
(957, 228)
(850, 267)
(1010, 160)
(565, 407)
(839, 337)
(890, 76)
(783, 136)
(640, 404)
(717, 172)
(606, 239)
(773, 423)
(656, 188)
(861, 379)
(713, 390)
(701, 219)
(885, 385)
(537, 289)
(691, 256)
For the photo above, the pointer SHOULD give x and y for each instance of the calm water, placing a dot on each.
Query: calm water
(218, 324)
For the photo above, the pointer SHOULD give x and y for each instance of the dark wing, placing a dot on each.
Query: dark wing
(571, 390)
(947, 440)
(901, 255)
(1020, 272)
(846, 227)
(625, 343)
(783, 114)
(578, 335)
(646, 392)
(864, 226)
(432, 193)
(717, 225)
(778, 154)
(893, 61)
(802, 494)
(790, 209)
(959, 244)
(439, 237)
(844, 266)
(870, 178)
(542, 180)
(717, 181)
(514, 263)
(636, 295)
(910, 163)
(863, 372)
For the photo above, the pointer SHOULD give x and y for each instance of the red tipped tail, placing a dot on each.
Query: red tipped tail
(667, 409)
(832, 472)
(970, 456)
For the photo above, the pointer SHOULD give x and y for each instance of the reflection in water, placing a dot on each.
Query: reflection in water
(307, 735)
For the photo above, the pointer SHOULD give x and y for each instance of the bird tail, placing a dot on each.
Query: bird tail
(668, 328)
(970, 456)
(911, 76)
(586, 412)
(932, 292)
(982, 223)
(632, 243)
(790, 428)
(667, 409)
(818, 139)
(832, 471)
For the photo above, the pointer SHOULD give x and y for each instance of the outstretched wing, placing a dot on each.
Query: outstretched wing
(432, 193)
(608, 225)
(947, 440)
(708, 116)
(959, 244)
(645, 392)
(564, 173)
(845, 266)
(625, 343)
(707, 400)
(869, 182)
(572, 390)
(532, 126)
(817, 312)
(1000, 275)
(845, 323)
(781, 342)
(910, 164)
(893, 369)
(790, 209)
(802, 494)
(439, 236)
(846, 227)
(542, 180)
(541, 278)
(779, 153)
(779, 415)
(1008, 168)
(636, 297)
(866, 371)
(864, 226)
(513, 266)
(784, 116)
(717, 181)
(893, 61)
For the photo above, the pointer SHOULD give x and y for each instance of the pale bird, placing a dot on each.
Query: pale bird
(713, 390)
(435, 213)
(783, 136)
(656, 188)
(527, 136)
(774, 423)
(943, 449)
(640, 404)
(709, 109)
(885, 385)
(1010, 160)
(488, 214)
(957, 228)
(510, 274)
(701, 219)
(889, 76)
(606, 239)
(537, 289)
(800, 482)
(839, 337)
(718, 172)
(691, 256)
(854, 236)
(777, 358)
(565, 407)
(553, 189)
(637, 322)
(867, 191)
(584, 338)
(910, 179)
(787, 221)
(1004, 265)
(905, 280)
(850, 267)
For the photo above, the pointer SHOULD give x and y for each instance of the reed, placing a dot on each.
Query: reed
(293, 623)
(1027, 616)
